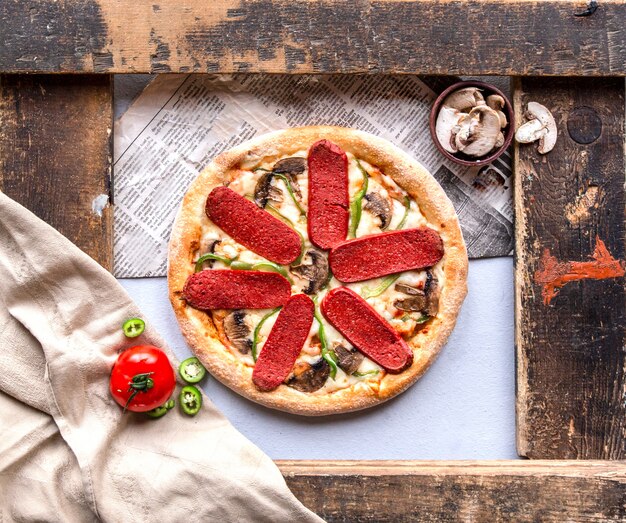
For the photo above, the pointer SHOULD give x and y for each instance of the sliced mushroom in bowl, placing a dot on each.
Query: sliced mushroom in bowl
(472, 123)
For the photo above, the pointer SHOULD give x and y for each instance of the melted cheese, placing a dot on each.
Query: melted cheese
(244, 183)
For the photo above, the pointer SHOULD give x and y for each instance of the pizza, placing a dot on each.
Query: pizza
(316, 270)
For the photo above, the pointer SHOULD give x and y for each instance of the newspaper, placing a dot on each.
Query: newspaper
(181, 122)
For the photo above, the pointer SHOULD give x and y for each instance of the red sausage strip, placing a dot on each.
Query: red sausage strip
(224, 289)
(387, 253)
(362, 326)
(254, 228)
(329, 200)
(284, 343)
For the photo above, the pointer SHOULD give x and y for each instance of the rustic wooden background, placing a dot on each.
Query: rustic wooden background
(458, 37)
(56, 145)
(452, 491)
(571, 352)
(55, 157)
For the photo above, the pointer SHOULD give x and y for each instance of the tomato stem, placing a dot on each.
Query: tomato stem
(139, 383)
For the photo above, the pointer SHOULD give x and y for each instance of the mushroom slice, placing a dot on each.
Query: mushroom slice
(291, 167)
(447, 121)
(530, 132)
(238, 331)
(316, 271)
(479, 131)
(417, 303)
(432, 294)
(408, 289)
(349, 358)
(496, 102)
(379, 206)
(210, 248)
(264, 190)
(464, 99)
(309, 377)
(540, 126)
(425, 301)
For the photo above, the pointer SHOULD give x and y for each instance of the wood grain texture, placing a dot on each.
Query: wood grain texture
(569, 266)
(55, 153)
(469, 37)
(460, 491)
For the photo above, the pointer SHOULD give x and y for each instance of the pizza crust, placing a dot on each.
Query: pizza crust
(201, 333)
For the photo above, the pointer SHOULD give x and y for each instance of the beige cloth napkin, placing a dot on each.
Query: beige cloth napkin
(66, 451)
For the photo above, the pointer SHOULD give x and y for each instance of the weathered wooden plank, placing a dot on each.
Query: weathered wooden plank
(470, 37)
(55, 154)
(460, 491)
(569, 267)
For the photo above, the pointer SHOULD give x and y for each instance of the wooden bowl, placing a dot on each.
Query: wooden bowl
(509, 130)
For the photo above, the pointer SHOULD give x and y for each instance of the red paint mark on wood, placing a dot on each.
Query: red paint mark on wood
(553, 274)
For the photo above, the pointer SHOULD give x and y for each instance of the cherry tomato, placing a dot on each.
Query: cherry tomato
(142, 378)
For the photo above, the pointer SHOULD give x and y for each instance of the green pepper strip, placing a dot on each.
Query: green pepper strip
(357, 202)
(328, 354)
(234, 264)
(291, 193)
(270, 266)
(382, 287)
(211, 256)
(274, 211)
(407, 208)
(422, 319)
(257, 329)
(289, 188)
(368, 373)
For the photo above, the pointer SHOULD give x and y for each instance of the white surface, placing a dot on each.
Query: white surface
(462, 408)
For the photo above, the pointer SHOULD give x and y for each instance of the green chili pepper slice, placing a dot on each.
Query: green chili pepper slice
(407, 208)
(380, 288)
(190, 400)
(191, 370)
(158, 412)
(162, 410)
(367, 373)
(133, 327)
(357, 203)
(257, 329)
